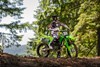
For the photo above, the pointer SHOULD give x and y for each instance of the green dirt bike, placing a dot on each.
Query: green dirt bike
(66, 40)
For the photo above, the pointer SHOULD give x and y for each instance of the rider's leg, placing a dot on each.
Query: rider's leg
(52, 43)
(59, 51)
(55, 36)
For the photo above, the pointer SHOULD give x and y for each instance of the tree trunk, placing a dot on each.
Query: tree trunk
(98, 44)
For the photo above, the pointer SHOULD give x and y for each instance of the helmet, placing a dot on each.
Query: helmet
(54, 16)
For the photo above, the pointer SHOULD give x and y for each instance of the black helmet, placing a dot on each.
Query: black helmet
(54, 16)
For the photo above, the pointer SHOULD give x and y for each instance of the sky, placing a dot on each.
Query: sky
(28, 14)
(31, 6)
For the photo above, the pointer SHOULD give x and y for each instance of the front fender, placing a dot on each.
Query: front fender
(47, 39)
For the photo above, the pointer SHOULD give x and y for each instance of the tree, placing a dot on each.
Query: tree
(98, 45)
(82, 16)
(12, 8)
(87, 27)
(66, 10)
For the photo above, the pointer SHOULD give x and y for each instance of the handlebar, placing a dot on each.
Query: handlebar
(65, 32)
(58, 30)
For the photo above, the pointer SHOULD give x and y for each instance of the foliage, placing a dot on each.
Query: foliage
(0, 49)
(64, 9)
(89, 21)
(82, 17)
(12, 8)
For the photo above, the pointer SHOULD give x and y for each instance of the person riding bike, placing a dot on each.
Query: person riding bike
(54, 28)
(54, 43)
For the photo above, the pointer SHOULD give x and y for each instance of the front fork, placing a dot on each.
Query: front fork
(67, 46)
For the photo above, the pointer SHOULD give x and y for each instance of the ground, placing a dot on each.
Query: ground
(8, 60)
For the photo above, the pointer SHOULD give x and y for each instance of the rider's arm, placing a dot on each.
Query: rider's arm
(49, 26)
(64, 25)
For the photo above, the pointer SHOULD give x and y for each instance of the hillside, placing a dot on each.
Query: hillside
(7, 60)
(21, 50)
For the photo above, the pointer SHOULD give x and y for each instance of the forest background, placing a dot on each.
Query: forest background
(81, 16)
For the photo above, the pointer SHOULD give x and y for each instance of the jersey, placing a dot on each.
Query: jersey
(55, 25)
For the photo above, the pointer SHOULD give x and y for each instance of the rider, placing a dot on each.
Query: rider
(54, 27)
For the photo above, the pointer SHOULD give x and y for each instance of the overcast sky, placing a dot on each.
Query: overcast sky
(31, 6)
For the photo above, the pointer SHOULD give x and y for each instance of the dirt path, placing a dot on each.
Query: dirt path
(7, 60)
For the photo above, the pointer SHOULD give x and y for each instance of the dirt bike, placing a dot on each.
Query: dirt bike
(65, 39)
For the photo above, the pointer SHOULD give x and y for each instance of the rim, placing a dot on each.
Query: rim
(73, 50)
(42, 51)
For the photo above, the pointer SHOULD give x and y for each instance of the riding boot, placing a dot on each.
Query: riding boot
(58, 54)
(52, 44)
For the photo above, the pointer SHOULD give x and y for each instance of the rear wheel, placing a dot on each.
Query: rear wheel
(41, 50)
(73, 52)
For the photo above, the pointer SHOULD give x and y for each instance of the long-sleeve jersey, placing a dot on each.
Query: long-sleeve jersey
(56, 24)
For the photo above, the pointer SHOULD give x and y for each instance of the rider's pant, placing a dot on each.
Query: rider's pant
(55, 42)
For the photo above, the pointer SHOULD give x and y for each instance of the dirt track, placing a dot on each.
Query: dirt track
(7, 60)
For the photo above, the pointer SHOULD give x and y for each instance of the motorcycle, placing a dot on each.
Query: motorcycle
(43, 49)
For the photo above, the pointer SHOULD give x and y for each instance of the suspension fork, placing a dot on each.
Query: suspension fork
(66, 44)
(64, 40)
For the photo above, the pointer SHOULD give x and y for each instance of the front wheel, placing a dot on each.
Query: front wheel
(73, 52)
(41, 50)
